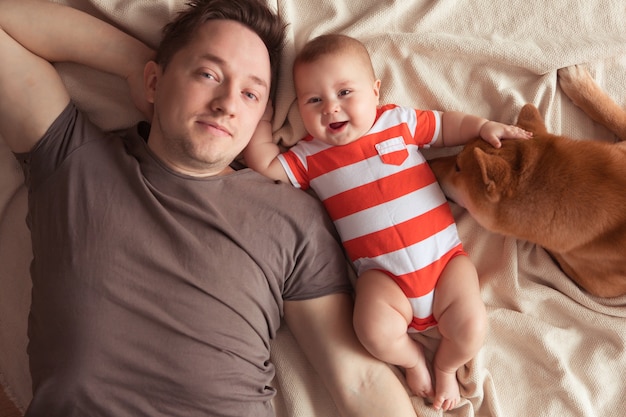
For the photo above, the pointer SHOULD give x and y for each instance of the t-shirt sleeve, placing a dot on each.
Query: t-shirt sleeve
(321, 267)
(68, 132)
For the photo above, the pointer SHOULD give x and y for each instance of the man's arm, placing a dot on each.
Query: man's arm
(35, 33)
(360, 385)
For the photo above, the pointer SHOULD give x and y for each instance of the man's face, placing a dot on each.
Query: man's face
(209, 99)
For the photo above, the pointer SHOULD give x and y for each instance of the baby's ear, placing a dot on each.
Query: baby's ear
(377, 89)
(496, 174)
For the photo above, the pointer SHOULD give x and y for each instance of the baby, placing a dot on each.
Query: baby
(363, 162)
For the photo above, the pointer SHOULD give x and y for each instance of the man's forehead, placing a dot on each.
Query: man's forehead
(230, 43)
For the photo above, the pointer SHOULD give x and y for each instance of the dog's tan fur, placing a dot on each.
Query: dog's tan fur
(566, 195)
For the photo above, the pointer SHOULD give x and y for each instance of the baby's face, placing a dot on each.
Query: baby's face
(337, 98)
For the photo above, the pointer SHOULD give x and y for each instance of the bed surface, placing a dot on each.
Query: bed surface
(552, 350)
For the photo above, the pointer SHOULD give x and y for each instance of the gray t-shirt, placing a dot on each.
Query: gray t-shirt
(155, 293)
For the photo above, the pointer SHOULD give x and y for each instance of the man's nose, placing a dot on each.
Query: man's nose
(224, 99)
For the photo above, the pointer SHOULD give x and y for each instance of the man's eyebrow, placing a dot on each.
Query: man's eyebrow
(216, 59)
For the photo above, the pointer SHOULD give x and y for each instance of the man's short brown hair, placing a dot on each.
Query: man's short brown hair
(251, 13)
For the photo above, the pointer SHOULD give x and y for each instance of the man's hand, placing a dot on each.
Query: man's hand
(34, 34)
(360, 385)
(135, 83)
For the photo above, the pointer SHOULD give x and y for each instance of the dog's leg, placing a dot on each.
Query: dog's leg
(578, 85)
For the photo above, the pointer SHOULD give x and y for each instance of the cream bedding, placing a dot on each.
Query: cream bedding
(551, 350)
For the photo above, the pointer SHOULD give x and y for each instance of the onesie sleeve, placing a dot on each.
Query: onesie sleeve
(294, 162)
(427, 127)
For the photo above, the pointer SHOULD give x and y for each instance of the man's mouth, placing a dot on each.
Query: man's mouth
(215, 128)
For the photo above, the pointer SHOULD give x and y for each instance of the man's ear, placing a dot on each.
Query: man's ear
(151, 74)
(496, 174)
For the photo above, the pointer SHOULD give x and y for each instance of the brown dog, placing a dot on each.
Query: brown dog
(568, 196)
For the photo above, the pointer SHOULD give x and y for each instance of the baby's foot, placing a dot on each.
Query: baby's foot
(447, 395)
(419, 380)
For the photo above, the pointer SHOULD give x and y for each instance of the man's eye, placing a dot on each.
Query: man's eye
(251, 96)
(207, 75)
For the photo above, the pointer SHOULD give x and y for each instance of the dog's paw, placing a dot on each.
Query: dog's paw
(573, 76)
(577, 84)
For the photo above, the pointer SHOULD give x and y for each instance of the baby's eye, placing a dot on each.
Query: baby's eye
(344, 92)
(314, 100)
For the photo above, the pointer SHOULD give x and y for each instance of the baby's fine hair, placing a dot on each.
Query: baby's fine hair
(333, 44)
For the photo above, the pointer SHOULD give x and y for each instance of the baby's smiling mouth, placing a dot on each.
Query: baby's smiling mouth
(337, 125)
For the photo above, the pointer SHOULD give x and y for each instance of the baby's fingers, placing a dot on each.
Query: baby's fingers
(515, 132)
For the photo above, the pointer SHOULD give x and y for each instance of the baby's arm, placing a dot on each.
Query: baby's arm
(261, 154)
(459, 128)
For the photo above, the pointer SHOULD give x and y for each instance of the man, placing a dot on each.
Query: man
(160, 273)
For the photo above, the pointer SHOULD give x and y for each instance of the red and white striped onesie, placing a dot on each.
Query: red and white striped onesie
(385, 201)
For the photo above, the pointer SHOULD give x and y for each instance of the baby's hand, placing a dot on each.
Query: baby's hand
(269, 112)
(493, 133)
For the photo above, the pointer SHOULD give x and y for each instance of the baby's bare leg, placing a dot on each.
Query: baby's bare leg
(382, 314)
(462, 318)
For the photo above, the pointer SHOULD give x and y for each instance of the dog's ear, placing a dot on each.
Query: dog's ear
(496, 174)
(530, 119)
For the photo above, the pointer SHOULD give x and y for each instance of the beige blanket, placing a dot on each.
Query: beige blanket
(551, 349)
